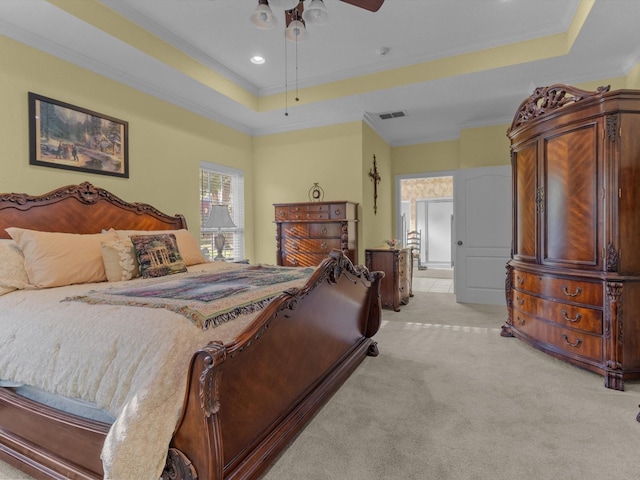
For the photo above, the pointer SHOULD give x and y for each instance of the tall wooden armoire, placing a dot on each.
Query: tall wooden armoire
(573, 284)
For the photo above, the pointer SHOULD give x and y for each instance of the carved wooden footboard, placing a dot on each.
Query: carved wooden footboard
(256, 394)
(245, 400)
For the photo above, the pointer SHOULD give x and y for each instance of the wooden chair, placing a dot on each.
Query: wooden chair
(414, 242)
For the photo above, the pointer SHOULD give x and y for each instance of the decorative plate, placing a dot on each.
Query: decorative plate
(316, 193)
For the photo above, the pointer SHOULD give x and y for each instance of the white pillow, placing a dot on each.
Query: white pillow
(13, 275)
(120, 261)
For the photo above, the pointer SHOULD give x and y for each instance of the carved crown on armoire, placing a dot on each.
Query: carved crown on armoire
(573, 282)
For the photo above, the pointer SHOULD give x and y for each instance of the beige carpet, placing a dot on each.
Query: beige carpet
(449, 399)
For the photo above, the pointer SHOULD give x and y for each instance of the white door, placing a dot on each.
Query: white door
(482, 237)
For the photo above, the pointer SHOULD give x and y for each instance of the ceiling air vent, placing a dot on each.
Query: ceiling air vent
(387, 116)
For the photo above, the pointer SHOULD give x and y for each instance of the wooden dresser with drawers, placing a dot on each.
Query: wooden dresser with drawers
(307, 232)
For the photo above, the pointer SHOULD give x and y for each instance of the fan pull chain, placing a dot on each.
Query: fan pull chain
(297, 98)
(286, 105)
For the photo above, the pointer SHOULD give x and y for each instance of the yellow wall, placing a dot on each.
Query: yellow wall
(476, 147)
(166, 144)
(375, 227)
(339, 158)
(287, 165)
(484, 147)
(633, 78)
(426, 157)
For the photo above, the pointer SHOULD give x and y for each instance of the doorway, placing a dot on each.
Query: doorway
(479, 237)
(435, 218)
(426, 206)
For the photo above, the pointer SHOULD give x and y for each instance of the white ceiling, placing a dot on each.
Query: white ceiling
(218, 34)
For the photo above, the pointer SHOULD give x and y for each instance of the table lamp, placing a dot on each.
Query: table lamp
(219, 218)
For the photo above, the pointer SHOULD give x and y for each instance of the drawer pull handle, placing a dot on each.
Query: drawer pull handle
(292, 231)
(520, 280)
(520, 321)
(294, 246)
(520, 301)
(569, 294)
(324, 245)
(577, 343)
(294, 261)
(324, 230)
(577, 318)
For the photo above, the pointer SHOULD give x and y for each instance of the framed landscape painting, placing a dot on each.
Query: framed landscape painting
(73, 138)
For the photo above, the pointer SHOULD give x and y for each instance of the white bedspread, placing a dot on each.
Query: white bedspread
(131, 361)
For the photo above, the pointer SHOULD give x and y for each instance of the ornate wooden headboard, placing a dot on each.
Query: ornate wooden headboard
(81, 209)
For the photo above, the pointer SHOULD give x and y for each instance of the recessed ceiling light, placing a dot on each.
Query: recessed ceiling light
(257, 59)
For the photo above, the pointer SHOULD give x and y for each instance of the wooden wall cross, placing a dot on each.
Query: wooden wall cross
(375, 178)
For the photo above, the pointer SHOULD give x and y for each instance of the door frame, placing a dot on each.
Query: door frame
(398, 198)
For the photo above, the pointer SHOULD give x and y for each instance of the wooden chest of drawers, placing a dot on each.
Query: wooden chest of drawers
(307, 232)
(396, 286)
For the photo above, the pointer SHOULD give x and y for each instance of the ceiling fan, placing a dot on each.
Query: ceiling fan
(371, 5)
(298, 14)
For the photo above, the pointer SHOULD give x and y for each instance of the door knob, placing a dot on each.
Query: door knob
(459, 242)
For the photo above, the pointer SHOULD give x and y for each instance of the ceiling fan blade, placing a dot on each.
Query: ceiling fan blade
(371, 5)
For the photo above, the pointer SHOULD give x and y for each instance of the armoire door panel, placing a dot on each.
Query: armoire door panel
(571, 203)
(526, 208)
(626, 220)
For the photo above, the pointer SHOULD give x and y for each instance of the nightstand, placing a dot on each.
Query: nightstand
(397, 265)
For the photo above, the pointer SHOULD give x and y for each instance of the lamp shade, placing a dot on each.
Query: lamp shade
(296, 31)
(285, 4)
(263, 17)
(219, 217)
(316, 13)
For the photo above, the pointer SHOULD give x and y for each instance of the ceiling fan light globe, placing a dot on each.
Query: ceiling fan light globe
(263, 18)
(296, 31)
(284, 4)
(316, 13)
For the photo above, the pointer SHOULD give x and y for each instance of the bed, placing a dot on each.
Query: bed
(228, 398)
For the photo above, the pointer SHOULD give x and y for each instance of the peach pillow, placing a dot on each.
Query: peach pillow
(187, 244)
(55, 259)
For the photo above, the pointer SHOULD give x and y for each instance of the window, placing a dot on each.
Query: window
(220, 185)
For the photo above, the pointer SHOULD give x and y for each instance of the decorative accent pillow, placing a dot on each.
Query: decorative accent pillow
(158, 255)
(13, 275)
(120, 261)
(189, 247)
(55, 259)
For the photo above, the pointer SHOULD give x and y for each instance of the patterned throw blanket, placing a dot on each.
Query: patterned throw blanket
(207, 299)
